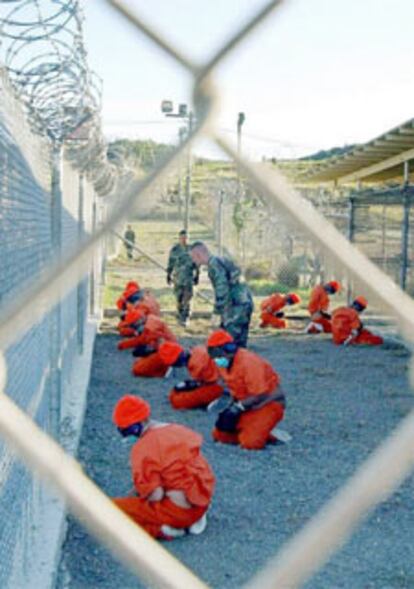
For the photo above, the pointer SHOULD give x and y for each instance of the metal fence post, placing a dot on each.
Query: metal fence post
(220, 223)
(4, 187)
(181, 136)
(404, 242)
(188, 178)
(351, 232)
(55, 325)
(104, 247)
(92, 280)
(81, 285)
(240, 121)
(56, 203)
(405, 229)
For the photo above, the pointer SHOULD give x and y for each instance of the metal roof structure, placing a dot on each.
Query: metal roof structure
(380, 160)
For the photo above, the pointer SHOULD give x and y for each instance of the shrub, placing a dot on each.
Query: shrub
(288, 275)
(257, 271)
(267, 287)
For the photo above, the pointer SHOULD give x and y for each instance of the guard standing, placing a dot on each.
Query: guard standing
(184, 274)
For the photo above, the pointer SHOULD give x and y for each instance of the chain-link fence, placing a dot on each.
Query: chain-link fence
(381, 225)
(374, 480)
(46, 208)
(273, 253)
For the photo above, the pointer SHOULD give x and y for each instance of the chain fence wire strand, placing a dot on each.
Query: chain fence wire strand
(26, 248)
(373, 481)
(146, 557)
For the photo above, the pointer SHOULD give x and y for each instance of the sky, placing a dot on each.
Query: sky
(315, 74)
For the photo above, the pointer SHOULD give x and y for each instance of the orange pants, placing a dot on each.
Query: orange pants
(268, 319)
(367, 338)
(151, 515)
(364, 338)
(150, 366)
(199, 397)
(254, 427)
(132, 342)
(126, 331)
(324, 322)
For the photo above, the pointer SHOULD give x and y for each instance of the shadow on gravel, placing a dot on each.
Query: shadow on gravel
(342, 402)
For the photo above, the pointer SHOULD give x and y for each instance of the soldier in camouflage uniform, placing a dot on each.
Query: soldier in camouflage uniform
(129, 235)
(183, 273)
(233, 299)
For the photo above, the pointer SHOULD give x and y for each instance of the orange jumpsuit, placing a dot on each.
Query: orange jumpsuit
(270, 307)
(319, 301)
(344, 321)
(148, 304)
(154, 330)
(154, 333)
(203, 369)
(168, 456)
(150, 366)
(251, 375)
(124, 329)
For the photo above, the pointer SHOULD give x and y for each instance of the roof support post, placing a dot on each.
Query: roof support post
(404, 240)
(406, 173)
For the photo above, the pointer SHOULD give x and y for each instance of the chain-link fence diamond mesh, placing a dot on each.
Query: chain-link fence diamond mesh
(304, 554)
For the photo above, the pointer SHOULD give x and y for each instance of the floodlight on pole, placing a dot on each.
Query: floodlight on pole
(240, 121)
(167, 107)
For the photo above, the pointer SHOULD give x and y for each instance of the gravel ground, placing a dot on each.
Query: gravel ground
(342, 402)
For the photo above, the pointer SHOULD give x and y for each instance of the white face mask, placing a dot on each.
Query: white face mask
(128, 441)
(222, 362)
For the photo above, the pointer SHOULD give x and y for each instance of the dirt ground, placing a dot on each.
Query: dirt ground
(342, 402)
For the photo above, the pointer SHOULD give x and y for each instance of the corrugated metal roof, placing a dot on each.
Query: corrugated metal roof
(376, 161)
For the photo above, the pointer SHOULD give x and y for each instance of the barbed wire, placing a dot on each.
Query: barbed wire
(46, 59)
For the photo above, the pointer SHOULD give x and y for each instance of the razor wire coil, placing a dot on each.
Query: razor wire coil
(46, 59)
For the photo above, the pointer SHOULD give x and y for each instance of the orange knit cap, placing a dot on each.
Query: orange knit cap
(132, 285)
(169, 352)
(133, 315)
(130, 290)
(130, 410)
(219, 338)
(294, 298)
(361, 301)
(335, 285)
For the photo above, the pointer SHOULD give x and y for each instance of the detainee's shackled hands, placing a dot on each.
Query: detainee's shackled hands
(228, 419)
